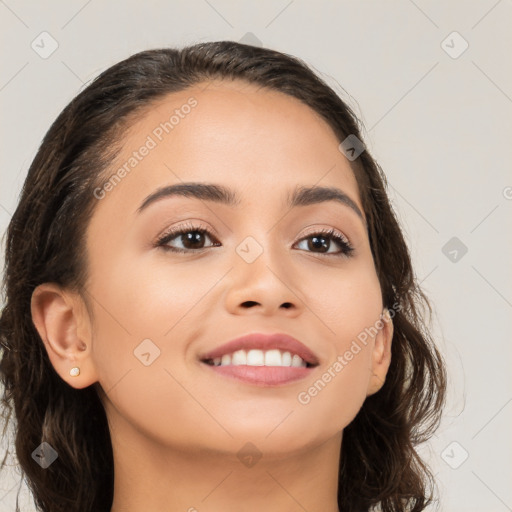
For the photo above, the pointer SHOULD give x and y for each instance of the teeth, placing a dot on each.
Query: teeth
(255, 357)
(286, 358)
(296, 361)
(239, 357)
(273, 358)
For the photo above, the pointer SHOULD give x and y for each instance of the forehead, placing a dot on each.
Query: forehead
(239, 134)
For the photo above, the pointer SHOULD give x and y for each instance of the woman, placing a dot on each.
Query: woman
(210, 304)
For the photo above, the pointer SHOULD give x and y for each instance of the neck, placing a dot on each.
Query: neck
(149, 476)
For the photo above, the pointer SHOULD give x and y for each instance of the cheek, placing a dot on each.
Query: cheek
(350, 306)
(148, 297)
(146, 307)
(346, 301)
(140, 335)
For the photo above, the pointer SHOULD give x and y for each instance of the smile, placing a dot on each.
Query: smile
(256, 357)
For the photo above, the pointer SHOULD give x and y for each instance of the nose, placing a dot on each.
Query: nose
(264, 286)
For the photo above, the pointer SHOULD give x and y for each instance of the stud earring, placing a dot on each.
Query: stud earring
(74, 372)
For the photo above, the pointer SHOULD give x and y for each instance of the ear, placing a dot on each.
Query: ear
(61, 320)
(381, 356)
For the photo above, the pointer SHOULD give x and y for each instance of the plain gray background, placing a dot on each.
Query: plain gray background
(438, 120)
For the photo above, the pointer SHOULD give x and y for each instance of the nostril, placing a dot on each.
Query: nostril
(249, 303)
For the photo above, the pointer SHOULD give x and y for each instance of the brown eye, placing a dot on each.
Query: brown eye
(191, 238)
(322, 241)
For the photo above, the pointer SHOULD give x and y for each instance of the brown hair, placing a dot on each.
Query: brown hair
(45, 243)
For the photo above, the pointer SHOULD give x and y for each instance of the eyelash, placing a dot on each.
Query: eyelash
(346, 247)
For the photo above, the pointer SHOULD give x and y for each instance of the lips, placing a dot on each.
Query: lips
(264, 342)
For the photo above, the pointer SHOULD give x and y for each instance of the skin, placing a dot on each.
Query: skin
(176, 425)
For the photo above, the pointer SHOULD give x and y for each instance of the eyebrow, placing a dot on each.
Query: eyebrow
(300, 196)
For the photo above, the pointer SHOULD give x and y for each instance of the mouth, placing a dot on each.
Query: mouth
(262, 359)
(255, 357)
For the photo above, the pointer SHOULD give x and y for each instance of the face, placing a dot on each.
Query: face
(256, 265)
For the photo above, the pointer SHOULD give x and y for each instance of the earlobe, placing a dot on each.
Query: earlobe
(57, 317)
(381, 355)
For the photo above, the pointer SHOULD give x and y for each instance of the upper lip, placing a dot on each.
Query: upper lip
(261, 341)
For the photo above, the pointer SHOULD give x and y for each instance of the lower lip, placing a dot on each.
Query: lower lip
(262, 375)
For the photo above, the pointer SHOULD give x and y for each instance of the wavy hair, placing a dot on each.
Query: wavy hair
(45, 242)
